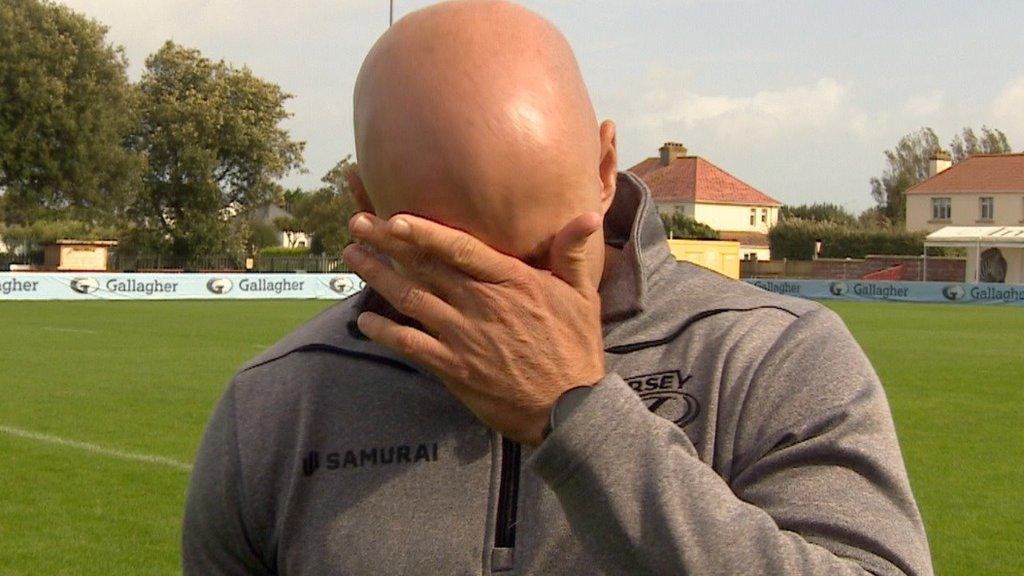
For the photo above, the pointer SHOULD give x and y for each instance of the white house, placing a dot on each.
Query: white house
(983, 190)
(978, 204)
(711, 195)
(269, 214)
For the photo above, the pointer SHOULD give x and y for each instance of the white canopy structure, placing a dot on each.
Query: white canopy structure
(994, 253)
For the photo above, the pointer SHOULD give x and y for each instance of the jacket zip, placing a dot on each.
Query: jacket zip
(508, 495)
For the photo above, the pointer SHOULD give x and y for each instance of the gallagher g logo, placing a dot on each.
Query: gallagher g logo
(662, 393)
(954, 292)
(838, 288)
(84, 285)
(341, 285)
(219, 285)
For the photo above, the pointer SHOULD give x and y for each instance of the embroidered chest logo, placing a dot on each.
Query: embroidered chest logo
(364, 457)
(663, 394)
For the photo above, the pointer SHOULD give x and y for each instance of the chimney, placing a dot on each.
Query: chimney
(670, 151)
(940, 160)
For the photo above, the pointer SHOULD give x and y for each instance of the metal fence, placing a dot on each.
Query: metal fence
(30, 259)
(160, 263)
(330, 263)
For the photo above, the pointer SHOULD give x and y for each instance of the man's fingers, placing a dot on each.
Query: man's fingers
(569, 257)
(455, 248)
(370, 229)
(406, 296)
(415, 345)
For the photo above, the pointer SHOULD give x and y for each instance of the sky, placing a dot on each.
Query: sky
(797, 98)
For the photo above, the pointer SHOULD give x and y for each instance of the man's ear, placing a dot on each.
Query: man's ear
(355, 183)
(609, 168)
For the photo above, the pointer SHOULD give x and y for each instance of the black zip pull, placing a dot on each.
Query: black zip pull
(508, 500)
(508, 495)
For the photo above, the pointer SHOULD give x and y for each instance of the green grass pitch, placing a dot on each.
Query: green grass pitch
(140, 379)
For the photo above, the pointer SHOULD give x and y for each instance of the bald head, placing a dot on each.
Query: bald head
(474, 113)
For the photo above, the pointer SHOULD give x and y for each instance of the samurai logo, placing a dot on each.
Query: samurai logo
(662, 394)
(954, 292)
(838, 288)
(219, 285)
(85, 285)
(311, 463)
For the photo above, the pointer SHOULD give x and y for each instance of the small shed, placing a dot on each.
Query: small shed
(994, 253)
(77, 255)
(722, 256)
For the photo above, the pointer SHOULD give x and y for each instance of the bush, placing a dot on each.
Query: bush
(826, 212)
(41, 232)
(263, 236)
(284, 251)
(679, 225)
(794, 239)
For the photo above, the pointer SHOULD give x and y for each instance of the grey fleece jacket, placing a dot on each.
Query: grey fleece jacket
(736, 432)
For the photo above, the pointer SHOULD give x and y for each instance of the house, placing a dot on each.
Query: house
(983, 190)
(711, 195)
(272, 215)
(977, 205)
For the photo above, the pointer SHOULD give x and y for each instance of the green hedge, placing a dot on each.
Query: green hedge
(43, 232)
(283, 251)
(794, 239)
(680, 226)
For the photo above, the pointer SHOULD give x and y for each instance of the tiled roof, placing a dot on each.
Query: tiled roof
(979, 173)
(752, 239)
(694, 179)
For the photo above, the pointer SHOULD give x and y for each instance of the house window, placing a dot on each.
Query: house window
(753, 216)
(764, 216)
(988, 208)
(941, 209)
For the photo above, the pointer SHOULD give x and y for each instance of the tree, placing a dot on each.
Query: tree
(679, 225)
(325, 212)
(908, 165)
(967, 143)
(872, 217)
(65, 112)
(212, 138)
(825, 212)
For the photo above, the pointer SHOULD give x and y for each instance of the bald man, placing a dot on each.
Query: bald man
(530, 384)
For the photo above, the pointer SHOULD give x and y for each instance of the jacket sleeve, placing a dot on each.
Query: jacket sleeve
(214, 538)
(817, 484)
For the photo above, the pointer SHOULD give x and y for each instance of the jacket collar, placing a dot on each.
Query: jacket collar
(632, 224)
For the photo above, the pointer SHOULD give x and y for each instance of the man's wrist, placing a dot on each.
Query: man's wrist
(564, 406)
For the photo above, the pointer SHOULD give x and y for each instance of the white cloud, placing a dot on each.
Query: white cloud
(1008, 107)
(928, 105)
(762, 114)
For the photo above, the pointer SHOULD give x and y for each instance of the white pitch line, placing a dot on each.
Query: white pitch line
(96, 449)
(72, 330)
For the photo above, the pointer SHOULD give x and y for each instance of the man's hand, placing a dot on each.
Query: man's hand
(505, 338)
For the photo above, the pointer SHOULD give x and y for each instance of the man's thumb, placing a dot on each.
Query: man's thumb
(569, 250)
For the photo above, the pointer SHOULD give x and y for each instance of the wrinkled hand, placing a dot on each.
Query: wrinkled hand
(505, 338)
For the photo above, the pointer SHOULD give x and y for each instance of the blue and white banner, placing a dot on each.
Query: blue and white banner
(130, 286)
(186, 286)
(959, 292)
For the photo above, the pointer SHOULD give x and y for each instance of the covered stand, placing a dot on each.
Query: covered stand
(994, 253)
